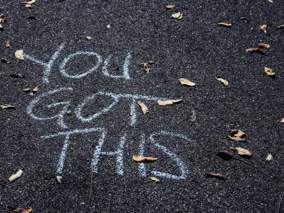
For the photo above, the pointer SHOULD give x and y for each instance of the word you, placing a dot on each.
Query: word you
(48, 65)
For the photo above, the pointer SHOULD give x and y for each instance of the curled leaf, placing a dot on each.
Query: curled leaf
(177, 15)
(215, 175)
(263, 28)
(237, 135)
(282, 120)
(264, 45)
(255, 50)
(21, 210)
(269, 72)
(223, 81)
(155, 179)
(170, 6)
(141, 158)
(19, 54)
(186, 82)
(225, 24)
(168, 102)
(7, 44)
(59, 179)
(242, 151)
(15, 176)
(7, 106)
(143, 107)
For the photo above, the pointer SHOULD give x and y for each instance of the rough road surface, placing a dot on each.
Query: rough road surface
(75, 112)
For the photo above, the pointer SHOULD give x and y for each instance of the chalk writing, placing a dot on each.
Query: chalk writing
(55, 105)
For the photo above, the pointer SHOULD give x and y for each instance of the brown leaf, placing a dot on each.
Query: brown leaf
(155, 179)
(168, 102)
(2, 19)
(223, 81)
(15, 176)
(21, 210)
(269, 72)
(215, 175)
(255, 50)
(186, 82)
(263, 28)
(177, 15)
(141, 158)
(269, 157)
(19, 54)
(170, 6)
(146, 67)
(143, 107)
(237, 135)
(263, 46)
(225, 24)
(242, 151)
(7, 106)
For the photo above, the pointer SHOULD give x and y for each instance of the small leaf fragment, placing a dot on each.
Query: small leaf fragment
(28, 4)
(225, 24)
(15, 176)
(7, 44)
(269, 157)
(282, 120)
(215, 175)
(263, 45)
(177, 15)
(225, 155)
(168, 102)
(143, 107)
(263, 28)
(186, 82)
(223, 81)
(269, 72)
(155, 179)
(255, 50)
(7, 106)
(237, 135)
(141, 158)
(19, 54)
(270, 1)
(21, 210)
(89, 38)
(242, 151)
(170, 6)
(59, 179)
(5, 61)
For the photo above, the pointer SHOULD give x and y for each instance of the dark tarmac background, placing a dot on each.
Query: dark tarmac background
(194, 48)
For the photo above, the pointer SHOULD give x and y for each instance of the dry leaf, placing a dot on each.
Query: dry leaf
(184, 81)
(215, 175)
(59, 179)
(281, 26)
(89, 37)
(225, 24)
(141, 158)
(146, 67)
(282, 120)
(177, 15)
(28, 4)
(21, 210)
(7, 44)
(242, 151)
(2, 19)
(269, 72)
(223, 81)
(143, 107)
(225, 155)
(7, 106)
(15, 176)
(19, 54)
(270, 1)
(155, 179)
(193, 116)
(263, 28)
(255, 50)
(168, 102)
(31, 90)
(269, 157)
(263, 46)
(170, 6)
(237, 135)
